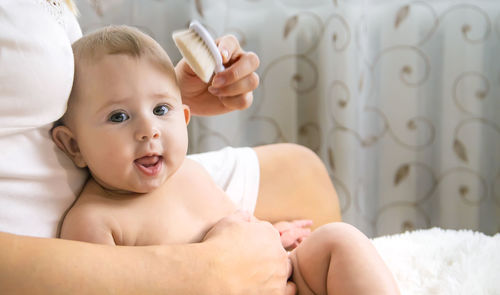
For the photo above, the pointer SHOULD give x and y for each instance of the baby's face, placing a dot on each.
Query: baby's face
(129, 123)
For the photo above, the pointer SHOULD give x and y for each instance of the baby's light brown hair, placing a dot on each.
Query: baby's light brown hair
(116, 40)
(121, 40)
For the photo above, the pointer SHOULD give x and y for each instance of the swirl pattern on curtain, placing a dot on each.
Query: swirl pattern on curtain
(401, 99)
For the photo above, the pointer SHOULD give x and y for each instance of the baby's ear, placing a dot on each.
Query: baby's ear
(65, 140)
(187, 113)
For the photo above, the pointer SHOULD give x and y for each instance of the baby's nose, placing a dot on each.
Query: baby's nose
(147, 133)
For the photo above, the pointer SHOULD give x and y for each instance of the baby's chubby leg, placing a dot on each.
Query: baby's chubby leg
(338, 259)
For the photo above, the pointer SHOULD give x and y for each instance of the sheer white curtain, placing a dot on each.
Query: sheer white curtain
(401, 99)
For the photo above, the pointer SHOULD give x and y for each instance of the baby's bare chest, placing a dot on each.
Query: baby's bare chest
(187, 223)
(181, 213)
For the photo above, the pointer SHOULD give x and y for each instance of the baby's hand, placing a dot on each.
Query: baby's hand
(292, 233)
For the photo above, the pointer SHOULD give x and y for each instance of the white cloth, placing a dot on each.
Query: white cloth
(236, 171)
(38, 182)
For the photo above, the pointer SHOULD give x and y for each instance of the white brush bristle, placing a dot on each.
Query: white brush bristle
(196, 53)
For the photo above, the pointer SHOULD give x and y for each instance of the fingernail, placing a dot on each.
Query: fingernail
(213, 90)
(218, 81)
(225, 54)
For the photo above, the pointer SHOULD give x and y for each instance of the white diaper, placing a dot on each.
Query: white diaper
(236, 171)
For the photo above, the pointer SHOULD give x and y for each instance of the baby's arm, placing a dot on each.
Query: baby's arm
(83, 225)
(85, 222)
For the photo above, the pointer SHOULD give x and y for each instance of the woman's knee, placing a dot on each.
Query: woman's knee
(290, 153)
(294, 179)
(303, 157)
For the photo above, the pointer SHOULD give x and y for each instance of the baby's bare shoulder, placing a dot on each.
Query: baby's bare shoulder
(88, 219)
(193, 166)
(195, 180)
(194, 171)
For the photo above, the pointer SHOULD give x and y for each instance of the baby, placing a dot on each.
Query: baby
(127, 124)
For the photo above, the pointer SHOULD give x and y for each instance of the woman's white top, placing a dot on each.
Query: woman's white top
(37, 181)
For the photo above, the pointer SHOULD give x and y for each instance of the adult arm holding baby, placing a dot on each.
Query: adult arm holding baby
(237, 257)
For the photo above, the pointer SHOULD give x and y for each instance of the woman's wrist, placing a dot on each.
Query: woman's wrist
(183, 268)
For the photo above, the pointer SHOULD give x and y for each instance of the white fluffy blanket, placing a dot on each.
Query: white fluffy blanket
(444, 262)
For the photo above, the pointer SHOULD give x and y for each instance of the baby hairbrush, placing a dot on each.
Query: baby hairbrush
(199, 50)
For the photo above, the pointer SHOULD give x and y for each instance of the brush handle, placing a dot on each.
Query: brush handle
(209, 41)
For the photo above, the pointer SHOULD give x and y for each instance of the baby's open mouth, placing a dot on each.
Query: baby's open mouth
(149, 165)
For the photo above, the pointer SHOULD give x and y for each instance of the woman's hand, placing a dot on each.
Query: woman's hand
(292, 233)
(247, 257)
(228, 90)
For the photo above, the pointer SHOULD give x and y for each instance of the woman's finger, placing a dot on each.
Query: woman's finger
(244, 85)
(238, 102)
(229, 47)
(244, 66)
(291, 288)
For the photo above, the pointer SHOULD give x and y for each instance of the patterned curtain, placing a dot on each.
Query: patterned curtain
(401, 99)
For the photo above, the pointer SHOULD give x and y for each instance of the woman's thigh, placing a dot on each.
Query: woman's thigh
(294, 184)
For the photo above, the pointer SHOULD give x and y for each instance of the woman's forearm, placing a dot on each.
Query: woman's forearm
(53, 266)
(236, 257)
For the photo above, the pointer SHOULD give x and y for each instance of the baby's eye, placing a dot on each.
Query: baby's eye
(160, 110)
(118, 117)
